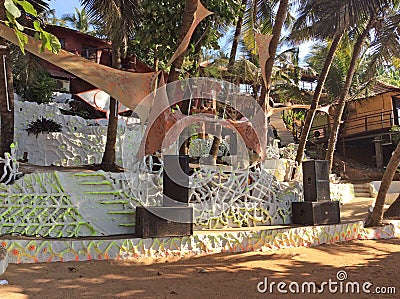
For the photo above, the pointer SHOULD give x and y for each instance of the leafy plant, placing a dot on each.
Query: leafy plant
(43, 125)
(395, 130)
(41, 90)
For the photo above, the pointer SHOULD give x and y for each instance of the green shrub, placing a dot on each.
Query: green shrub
(43, 125)
(41, 90)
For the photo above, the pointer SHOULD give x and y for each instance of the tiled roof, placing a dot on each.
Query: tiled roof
(380, 87)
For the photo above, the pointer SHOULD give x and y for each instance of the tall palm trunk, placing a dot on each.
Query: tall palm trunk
(217, 141)
(108, 160)
(187, 20)
(236, 37)
(317, 95)
(345, 92)
(376, 217)
(273, 45)
(6, 93)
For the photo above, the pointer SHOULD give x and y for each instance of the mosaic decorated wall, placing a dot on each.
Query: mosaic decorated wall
(39, 250)
(67, 204)
(80, 142)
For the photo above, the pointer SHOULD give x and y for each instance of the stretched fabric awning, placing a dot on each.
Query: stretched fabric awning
(99, 99)
(126, 87)
(263, 51)
(200, 13)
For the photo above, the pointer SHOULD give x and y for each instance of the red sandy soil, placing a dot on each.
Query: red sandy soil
(211, 276)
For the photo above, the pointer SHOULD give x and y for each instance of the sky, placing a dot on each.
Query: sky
(68, 6)
(64, 6)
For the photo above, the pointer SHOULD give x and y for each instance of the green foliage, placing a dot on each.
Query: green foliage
(390, 75)
(78, 20)
(43, 125)
(39, 91)
(158, 32)
(395, 130)
(293, 116)
(13, 12)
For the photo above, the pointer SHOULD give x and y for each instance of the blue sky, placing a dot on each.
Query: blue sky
(68, 6)
(64, 6)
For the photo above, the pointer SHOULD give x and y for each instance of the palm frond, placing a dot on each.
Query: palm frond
(386, 46)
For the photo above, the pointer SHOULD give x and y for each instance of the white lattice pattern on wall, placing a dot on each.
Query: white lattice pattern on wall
(81, 141)
(223, 197)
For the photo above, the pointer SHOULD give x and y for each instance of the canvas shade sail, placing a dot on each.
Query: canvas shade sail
(263, 51)
(126, 87)
(200, 13)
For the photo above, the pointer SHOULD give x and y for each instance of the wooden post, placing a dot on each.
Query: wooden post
(378, 153)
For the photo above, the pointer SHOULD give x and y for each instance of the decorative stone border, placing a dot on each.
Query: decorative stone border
(41, 250)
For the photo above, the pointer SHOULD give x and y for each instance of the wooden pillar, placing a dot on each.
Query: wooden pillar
(378, 152)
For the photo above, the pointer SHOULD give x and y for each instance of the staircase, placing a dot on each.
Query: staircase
(362, 190)
(284, 134)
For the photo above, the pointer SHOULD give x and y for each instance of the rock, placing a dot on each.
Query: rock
(3, 260)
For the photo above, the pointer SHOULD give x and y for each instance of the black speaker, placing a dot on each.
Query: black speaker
(316, 180)
(176, 181)
(152, 222)
(314, 213)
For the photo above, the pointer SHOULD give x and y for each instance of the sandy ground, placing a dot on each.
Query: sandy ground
(212, 276)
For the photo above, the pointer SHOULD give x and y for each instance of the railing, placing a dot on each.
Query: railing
(368, 122)
(356, 125)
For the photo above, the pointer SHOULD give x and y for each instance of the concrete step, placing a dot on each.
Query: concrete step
(284, 134)
(362, 194)
(362, 190)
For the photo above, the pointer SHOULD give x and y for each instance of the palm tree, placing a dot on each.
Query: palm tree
(50, 17)
(119, 18)
(316, 20)
(78, 20)
(384, 49)
(273, 46)
(187, 20)
(376, 217)
(260, 15)
(236, 37)
(6, 83)
(346, 89)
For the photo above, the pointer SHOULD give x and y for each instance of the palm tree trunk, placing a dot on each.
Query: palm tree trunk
(236, 37)
(187, 20)
(276, 32)
(317, 95)
(345, 92)
(216, 142)
(393, 210)
(108, 160)
(376, 217)
(6, 94)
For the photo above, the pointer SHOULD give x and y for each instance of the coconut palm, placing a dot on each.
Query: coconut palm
(6, 86)
(384, 49)
(50, 17)
(118, 18)
(187, 20)
(236, 37)
(79, 20)
(357, 50)
(260, 16)
(376, 217)
(328, 19)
